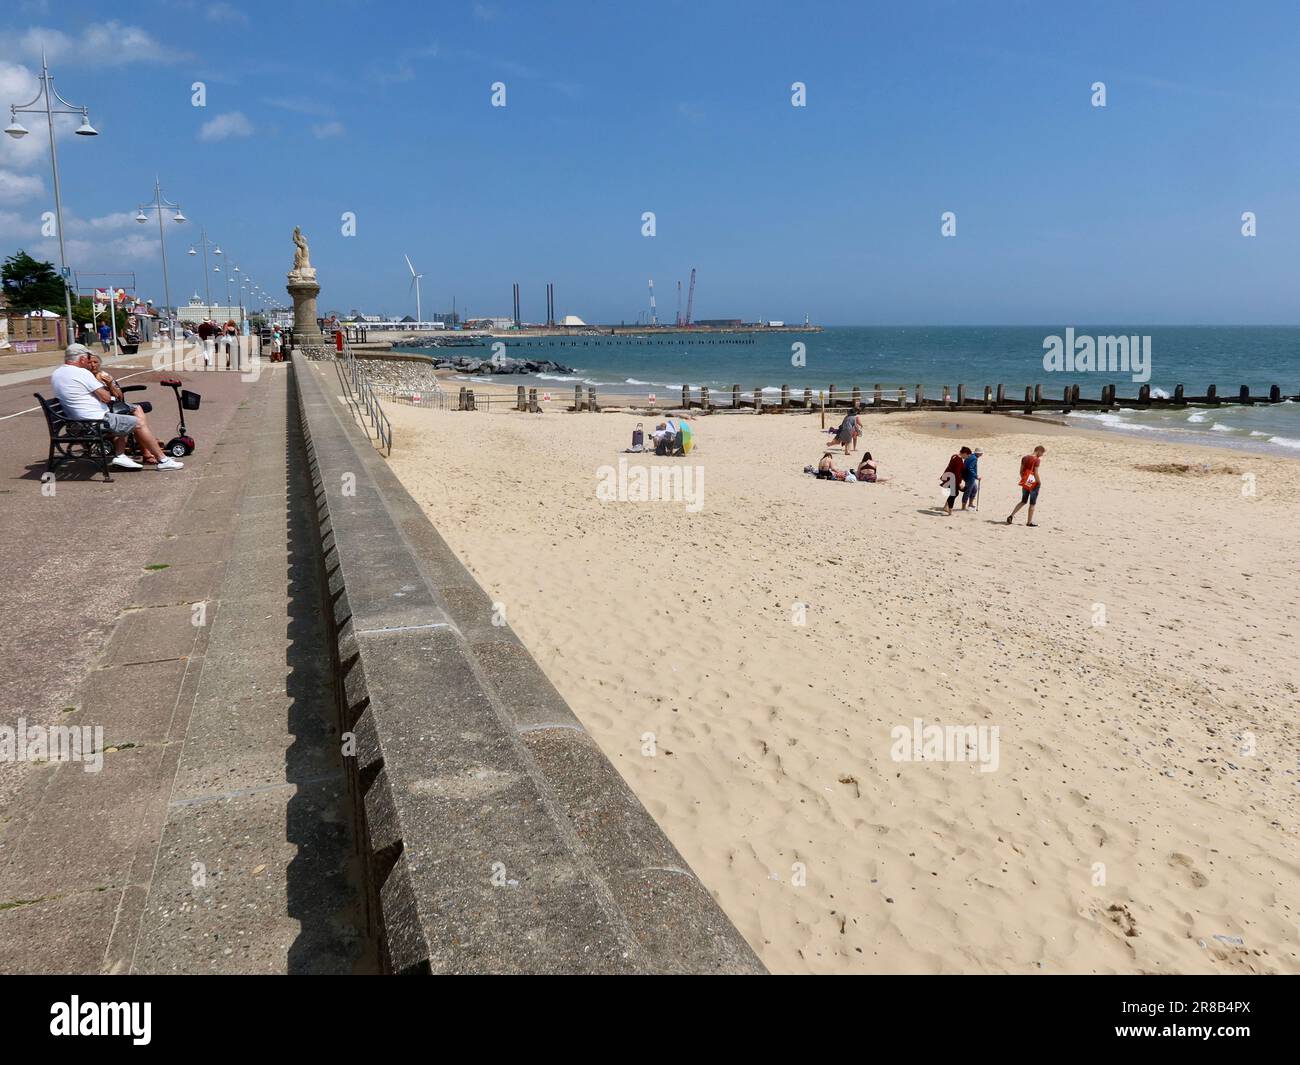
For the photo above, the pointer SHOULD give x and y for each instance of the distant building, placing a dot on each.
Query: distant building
(719, 323)
(496, 325)
(196, 311)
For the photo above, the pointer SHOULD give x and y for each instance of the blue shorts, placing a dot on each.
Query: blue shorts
(1030, 495)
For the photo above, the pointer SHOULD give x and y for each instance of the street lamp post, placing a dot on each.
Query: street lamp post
(15, 129)
(226, 274)
(159, 204)
(205, 244)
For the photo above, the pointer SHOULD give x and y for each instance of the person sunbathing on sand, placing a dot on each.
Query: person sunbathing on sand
(867, 470)
(826, 470)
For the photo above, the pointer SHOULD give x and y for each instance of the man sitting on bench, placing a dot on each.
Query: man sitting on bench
(85, 399)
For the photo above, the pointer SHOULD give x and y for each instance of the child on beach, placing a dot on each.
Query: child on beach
(971, 473)
(1030, 482)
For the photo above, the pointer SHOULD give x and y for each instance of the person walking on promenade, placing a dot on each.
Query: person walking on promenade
(105, 333)
(1031, 481)
(230, 341)
(207, 331)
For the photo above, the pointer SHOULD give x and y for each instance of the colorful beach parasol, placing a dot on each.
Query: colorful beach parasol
(688, 437)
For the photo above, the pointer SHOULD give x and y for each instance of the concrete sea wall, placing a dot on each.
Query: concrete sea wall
(496, 835)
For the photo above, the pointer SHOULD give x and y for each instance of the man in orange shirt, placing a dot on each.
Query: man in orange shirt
(1030, 482)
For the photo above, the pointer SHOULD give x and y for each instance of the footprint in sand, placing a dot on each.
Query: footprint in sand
(1196, 878)
(1122, 919)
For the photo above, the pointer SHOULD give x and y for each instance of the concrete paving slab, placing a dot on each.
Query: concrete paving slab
(233, 893)
(177, 584)
(34, 937)
(155, 634)
(134, 704)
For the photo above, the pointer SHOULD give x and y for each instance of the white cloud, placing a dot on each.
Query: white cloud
(17, 86)
(484, 13)
(321, 130)
(14, 188)
(103, 224)
(104, 44)
(225, 126)
(226, 13)
(89, 243)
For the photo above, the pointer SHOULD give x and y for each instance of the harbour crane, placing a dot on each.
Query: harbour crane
(690, 300)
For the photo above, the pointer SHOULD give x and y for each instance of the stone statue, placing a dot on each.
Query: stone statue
(303, 288)
(301, 261)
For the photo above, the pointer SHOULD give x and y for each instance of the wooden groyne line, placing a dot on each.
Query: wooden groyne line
(882, 400)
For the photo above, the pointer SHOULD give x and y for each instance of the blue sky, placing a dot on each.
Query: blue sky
(1065, 212)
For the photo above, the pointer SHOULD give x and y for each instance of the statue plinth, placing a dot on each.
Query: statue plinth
(303, 289)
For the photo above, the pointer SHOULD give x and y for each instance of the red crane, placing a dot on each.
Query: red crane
(690, 299)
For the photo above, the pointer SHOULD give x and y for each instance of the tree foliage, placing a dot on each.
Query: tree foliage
(31, 284)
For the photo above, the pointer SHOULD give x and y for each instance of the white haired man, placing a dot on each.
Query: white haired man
(85, 398)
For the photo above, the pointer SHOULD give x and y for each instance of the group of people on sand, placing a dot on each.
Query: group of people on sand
(961, 477)
(666, 439)
(865, 471)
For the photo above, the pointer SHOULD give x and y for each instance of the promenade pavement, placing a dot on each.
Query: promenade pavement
(179, 611)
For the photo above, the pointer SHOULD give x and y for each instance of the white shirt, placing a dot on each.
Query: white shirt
(75, 388)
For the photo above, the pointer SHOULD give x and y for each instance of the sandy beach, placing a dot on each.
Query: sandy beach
(748, 660)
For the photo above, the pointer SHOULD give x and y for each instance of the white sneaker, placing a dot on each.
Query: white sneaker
(170, 464)
(125, 462)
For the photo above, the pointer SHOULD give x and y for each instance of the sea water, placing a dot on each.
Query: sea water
(935, 356)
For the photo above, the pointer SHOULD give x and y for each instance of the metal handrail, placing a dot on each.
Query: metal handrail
(358, 383)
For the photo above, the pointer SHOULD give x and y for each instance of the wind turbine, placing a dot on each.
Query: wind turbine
(415, 284)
